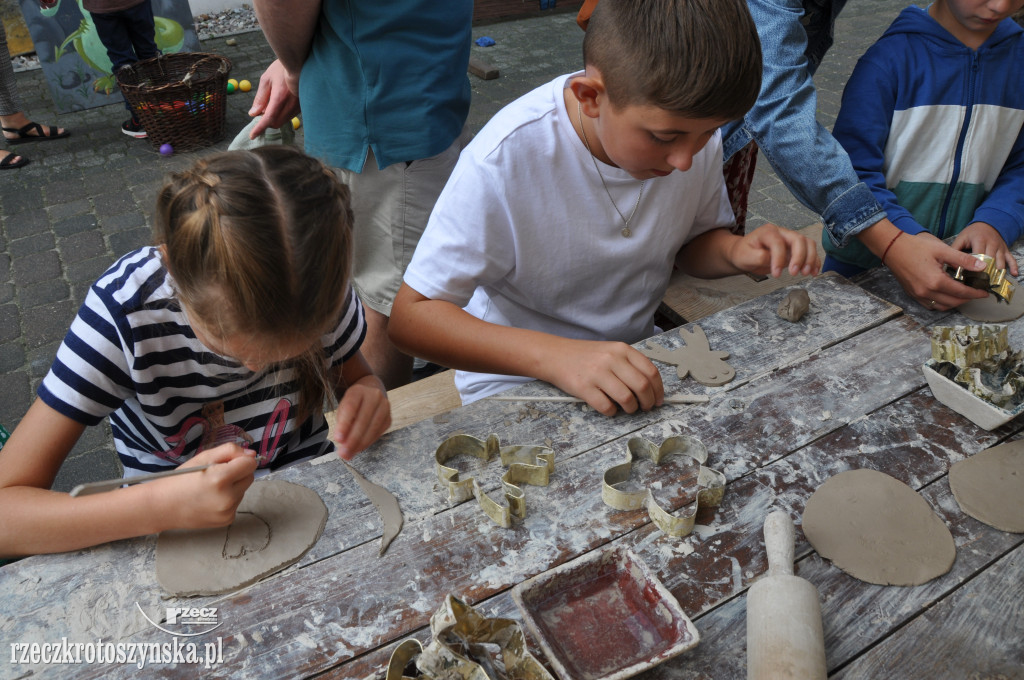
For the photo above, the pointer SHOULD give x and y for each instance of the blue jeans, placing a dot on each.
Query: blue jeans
(795, 35)
(129, 36)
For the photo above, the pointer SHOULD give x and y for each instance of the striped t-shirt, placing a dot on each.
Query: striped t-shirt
(131, 354)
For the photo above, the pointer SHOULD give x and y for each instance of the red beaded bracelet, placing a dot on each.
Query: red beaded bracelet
(886, 251)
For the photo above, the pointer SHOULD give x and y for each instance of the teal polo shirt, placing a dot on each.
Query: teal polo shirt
(388, 76)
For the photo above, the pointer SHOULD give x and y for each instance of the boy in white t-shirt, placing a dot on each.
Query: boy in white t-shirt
(550, 247)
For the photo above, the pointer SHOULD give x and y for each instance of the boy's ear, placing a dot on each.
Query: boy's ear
(589, 91)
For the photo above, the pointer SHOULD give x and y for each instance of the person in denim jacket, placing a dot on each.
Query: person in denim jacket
(795, 35)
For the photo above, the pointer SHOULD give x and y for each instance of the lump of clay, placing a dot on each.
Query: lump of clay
(275, 524)
(878, 529)
(794, 305)
(989, 486)
(990, 309)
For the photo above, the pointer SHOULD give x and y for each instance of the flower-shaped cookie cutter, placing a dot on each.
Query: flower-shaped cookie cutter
(526, 465)
(710, 483)
(457, 648)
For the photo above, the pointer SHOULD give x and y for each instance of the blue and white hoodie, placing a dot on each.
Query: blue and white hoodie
(934, 129)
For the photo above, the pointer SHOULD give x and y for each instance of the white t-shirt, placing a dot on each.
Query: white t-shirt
(525, 235)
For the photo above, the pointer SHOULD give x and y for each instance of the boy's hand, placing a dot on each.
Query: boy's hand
(209, 498)
(980, 237)
(607, 375)
(364, 414)
(770, 249)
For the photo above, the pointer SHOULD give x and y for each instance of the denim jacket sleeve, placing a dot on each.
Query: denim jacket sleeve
(783, 122)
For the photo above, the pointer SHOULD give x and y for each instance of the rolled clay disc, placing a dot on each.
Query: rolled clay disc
(989, 486)
(878, 529)
(991, 310)
(275, 524)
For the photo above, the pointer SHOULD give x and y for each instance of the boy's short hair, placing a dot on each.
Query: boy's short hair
(695, 58)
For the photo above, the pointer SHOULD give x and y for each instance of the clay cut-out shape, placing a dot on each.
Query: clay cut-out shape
(794, 305)
(710, 486)
(526, 465)
(878, 529)
(386, 504)
(462, 647)
(989, 486)
(695, 357)
(275, 524)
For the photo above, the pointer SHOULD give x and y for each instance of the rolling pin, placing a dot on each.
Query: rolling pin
(784, 634)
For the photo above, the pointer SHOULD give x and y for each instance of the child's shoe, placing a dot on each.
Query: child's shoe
(133, 128)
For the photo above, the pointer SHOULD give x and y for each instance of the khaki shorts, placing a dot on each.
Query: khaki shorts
(391, 208)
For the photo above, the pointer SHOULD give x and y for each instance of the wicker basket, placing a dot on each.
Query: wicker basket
(179, 98)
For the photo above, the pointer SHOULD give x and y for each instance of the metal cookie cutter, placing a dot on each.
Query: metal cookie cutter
(457, 649)
(526, 465)
(991, 279)
(710, 483)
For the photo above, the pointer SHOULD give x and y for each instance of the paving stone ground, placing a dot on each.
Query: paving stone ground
(87, 200)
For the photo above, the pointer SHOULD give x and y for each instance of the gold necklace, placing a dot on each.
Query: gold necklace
(625, 220)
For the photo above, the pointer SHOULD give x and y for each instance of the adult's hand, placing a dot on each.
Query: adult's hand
(919, 261)
(277, 98)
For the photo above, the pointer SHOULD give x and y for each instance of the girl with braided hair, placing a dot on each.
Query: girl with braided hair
(220, 344)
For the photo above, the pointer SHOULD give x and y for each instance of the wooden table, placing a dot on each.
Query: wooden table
(841, 389)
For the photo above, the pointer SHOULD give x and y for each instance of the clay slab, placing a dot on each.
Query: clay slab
(275, 524)
(878, 529)
(989, 486)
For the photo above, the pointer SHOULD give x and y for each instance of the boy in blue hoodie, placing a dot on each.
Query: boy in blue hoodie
(932, 119)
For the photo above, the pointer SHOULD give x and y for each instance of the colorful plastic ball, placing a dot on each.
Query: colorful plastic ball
(232, 81)
(231, 88)
(296, 123)
(166, 149)
(244, 85)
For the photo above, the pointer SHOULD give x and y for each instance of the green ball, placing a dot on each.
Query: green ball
(231, 88)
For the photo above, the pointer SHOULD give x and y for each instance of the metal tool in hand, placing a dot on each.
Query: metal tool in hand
(988, 279)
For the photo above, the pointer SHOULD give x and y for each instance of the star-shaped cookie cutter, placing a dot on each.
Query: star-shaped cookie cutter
(710, 483)
(526, 465)
(990, 279)
(457, 627)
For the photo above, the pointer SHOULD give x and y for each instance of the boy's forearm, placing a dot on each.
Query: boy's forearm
(439, 331)
(706, 256)
(289, 29)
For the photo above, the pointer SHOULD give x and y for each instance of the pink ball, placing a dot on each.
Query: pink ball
(166, 149)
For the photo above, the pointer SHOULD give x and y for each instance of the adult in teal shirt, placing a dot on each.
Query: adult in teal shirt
(384, 98)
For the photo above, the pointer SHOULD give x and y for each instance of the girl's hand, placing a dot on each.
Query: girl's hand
(770, 249)
(209, 498)
(364, 414)
(607, 375)
(984, 239)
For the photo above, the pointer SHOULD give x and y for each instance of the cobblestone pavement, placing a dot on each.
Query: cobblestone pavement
(86, 200)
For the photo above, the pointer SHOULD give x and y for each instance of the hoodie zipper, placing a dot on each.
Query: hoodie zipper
(969, 107)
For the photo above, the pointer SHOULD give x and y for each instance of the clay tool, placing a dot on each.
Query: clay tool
(784, 633)
(669, 399)
(90, 488)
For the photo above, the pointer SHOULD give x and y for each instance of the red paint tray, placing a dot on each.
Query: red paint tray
(604, 616)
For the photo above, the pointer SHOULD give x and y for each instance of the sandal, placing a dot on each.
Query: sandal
(40, 133)
(8, 162)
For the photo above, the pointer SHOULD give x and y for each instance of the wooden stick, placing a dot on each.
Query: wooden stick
(669, 398)
(90, 488)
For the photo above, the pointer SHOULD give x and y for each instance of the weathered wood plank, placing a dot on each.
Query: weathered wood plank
(977, 632)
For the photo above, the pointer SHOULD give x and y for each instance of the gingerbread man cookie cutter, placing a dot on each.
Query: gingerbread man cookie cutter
(710, 483)
(526, 465)
(457, 648)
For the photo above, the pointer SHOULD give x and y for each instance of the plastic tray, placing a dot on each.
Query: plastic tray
(604, 616)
